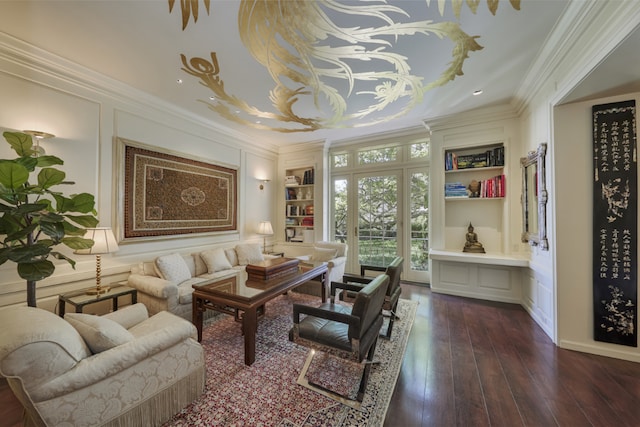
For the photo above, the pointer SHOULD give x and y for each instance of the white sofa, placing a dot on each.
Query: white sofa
(335, 255)
(165, 283)
(121, 369)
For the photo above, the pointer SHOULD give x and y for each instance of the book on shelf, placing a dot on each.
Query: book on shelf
(490, 158)
(308, 177)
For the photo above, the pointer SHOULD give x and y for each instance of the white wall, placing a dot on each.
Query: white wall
(87, 112)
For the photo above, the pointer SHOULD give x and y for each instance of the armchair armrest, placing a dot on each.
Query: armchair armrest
(322, 313)
(110, 362)
(345, 287)
(353, 278)
(154, 286)
(365, 267)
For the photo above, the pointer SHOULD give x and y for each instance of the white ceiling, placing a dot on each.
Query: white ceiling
(139, 43)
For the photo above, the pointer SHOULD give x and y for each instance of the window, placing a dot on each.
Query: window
(378, 155)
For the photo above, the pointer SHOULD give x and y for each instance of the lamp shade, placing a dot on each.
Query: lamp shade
(265, 228)
(104, 241)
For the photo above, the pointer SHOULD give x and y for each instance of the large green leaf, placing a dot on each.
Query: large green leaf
(13, 175)
(21, 233)
(87, 221)
(4, 255)
(49, 177)
(59, 255)
(29, 254)
(78, 242)
(28, 208)
(36, 271)
(83, 202)
(44, 161)
(20, 142)
(55, 230)
(28, 162)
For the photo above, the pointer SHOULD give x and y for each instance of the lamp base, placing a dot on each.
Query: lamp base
(97, 290)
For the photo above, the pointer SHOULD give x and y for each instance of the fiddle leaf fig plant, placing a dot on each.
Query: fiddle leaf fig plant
(34, 218)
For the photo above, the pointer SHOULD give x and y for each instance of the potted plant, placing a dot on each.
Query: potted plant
(34, 218)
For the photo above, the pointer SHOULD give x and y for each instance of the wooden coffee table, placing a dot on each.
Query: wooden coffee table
(245, 299)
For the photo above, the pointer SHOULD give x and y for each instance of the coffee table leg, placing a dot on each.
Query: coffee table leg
(250, 327)
(196, 314)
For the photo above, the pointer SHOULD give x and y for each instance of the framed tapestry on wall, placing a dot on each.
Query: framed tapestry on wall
(168, 194)
(615, 215)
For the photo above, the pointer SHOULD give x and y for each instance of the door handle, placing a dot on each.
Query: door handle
(355, 231)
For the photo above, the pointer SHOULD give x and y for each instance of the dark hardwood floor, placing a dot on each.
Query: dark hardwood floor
(478, 363)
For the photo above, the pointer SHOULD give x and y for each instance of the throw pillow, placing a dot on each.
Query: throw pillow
(249, 253)
(232, 256)
(216, 260)
(173, 268)
(323, 255)
(99, 333)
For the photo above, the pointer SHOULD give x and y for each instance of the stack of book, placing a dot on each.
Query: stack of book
(493, 187)
(455, 189)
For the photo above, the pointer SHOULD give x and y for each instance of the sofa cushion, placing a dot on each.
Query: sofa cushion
(191, 264)
(216, 260)
(232, 256)
(173, 268)
(249, 253)
(323, 255)
(99, 333)
(201, 267)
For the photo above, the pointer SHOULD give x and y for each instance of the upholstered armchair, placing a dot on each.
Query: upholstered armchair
(393, 270)
(350, 332)
(121, 369)
(335, 255)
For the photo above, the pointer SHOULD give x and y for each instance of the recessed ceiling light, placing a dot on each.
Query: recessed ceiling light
(179, 81)
(477, 92)
(212, 98)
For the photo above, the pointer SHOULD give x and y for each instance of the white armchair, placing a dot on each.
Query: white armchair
(335, 255)
(124, 368)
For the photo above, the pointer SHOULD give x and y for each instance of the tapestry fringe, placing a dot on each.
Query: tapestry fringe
(162, 406)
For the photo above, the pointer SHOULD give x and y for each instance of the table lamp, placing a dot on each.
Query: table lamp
(265, 229)
(104, 243)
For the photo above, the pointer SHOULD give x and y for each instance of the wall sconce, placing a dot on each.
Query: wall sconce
(36, 136)
(262, 183)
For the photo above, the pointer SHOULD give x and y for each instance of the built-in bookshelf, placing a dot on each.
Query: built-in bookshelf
(299, 205)
(475, 173)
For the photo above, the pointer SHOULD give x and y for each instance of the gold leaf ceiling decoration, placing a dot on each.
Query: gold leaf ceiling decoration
(312, 59)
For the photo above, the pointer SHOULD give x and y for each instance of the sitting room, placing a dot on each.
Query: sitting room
(288, 213)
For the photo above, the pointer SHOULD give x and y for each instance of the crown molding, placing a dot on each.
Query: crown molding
(32, 62)
(471, 117)
(585, 34)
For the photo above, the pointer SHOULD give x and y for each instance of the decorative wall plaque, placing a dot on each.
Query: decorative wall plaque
(615, 215)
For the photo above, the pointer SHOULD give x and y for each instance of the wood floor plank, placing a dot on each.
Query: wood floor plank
(501, 406)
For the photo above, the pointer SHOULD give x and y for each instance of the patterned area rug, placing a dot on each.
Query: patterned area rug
(266, 393)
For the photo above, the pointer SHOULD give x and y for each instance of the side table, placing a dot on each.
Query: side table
(79, 299)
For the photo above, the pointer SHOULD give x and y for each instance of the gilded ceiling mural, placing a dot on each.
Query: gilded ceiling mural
(314, 59)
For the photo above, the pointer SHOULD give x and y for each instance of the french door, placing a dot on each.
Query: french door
(369, 214)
